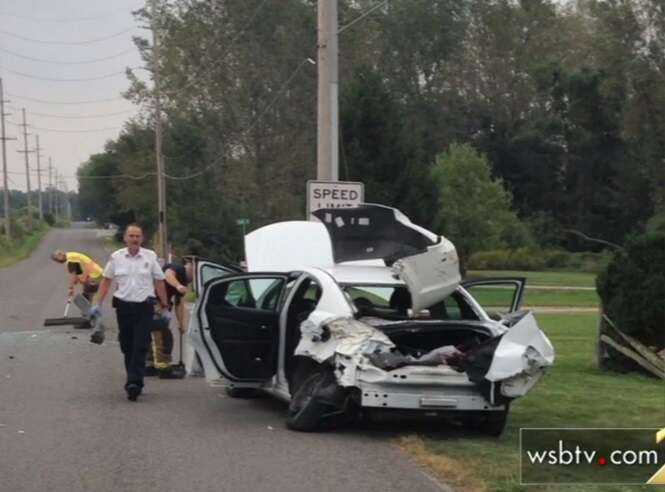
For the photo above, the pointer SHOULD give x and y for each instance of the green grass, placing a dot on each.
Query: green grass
(572, 279)
(501, 298)
(19, 250)
(574, 393)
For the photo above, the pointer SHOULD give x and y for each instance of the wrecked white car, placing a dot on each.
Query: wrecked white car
(362, 312)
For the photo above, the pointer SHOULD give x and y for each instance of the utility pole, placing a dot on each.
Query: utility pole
(68, 203)
(327, 163)
(161, 185)
(50, 186)
(3, 137)
(39, 179)
(27, 165)
(56, 197)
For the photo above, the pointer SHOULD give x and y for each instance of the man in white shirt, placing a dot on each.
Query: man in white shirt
(139, 276)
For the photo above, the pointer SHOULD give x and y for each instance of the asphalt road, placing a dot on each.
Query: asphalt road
(66, 425)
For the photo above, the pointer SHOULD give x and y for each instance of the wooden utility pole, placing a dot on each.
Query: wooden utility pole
(50, 186)
(3, 137)
(161, 185)
(39, 179)
(327, 166)
(27, 165)
(56, 200)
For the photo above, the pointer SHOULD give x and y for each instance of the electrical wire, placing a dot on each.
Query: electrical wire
(75, 117)
(90, 130)
(361, 17)
(65, 103)
(216, 160)
(67, 43)
(54, 130)
(60, 62)
(64, 20)
(57, 79)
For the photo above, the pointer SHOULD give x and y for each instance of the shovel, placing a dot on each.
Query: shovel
(78, 322)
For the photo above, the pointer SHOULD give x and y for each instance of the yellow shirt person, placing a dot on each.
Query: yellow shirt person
(83, 270)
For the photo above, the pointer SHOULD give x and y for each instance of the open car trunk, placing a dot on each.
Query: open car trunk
(427, 343)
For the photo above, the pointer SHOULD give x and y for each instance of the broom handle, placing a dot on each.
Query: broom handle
(69, 303)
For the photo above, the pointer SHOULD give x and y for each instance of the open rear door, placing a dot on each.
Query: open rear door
(205, 270)
(238, 325)
(503, 294)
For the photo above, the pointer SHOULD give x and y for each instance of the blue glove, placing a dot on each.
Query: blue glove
(95, 311)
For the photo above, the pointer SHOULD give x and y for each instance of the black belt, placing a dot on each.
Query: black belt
(119, 302)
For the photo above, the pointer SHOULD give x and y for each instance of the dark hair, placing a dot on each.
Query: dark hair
(134, 224)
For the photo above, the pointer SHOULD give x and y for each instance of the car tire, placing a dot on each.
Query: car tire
(489, 423)
(305, 412)
(241, 392)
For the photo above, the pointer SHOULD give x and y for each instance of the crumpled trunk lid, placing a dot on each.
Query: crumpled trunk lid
(425, 262)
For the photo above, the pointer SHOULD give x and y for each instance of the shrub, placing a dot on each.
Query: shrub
(537, 259)
(632, 288)
(474, 209)
(49, 219)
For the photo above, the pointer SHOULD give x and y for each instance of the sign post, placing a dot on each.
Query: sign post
(333, 194)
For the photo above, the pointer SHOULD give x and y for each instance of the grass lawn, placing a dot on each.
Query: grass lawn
(574, 393)
(20, 250)
(501, 298)
(572, 279)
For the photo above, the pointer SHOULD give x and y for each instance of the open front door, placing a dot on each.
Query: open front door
(498, 294)
(239, 325)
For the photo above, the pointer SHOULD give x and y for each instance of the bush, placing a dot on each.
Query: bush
(632, 288)
(532, 259)
(49, 219)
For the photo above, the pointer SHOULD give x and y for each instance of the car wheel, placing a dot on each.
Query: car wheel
(305, 410)
(490, 423)
(241, 392)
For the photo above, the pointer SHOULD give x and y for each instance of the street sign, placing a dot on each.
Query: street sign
(333, 194)
(242, 222)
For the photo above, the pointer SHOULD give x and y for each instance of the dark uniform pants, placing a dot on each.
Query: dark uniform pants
(134, 323)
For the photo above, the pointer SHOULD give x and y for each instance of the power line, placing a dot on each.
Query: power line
(361, 16)
(57, 79)
(216, 160)
(66, 103)
(87, 130)
(60, 62)
(68, 43)
(64, 20)
(78, 116)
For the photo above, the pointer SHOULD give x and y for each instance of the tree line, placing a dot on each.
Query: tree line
(563, 103)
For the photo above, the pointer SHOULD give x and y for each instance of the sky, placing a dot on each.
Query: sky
(42, 41)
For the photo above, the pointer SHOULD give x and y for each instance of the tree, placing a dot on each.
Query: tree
(375, 149)
(473, 209)
(96, 194)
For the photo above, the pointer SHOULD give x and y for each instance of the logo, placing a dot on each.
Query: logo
(578, 456)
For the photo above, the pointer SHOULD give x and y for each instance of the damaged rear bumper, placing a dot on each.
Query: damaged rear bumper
(420, 388)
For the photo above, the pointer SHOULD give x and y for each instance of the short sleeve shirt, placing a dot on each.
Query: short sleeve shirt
(180, 275)
(135, 275)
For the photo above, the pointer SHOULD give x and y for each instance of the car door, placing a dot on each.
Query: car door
(205, 270)
(238, 325)
(502, 295)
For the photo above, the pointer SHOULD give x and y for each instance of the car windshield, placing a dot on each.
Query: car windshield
(394, 302)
